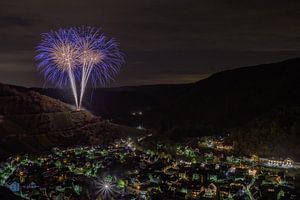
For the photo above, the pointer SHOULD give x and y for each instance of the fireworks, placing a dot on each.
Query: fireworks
(105, 188)
(78, 56)
(100, 58)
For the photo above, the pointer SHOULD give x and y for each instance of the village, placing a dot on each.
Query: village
(138, 168)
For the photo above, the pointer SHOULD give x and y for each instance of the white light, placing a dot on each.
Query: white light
(104, 189)
(93, 58)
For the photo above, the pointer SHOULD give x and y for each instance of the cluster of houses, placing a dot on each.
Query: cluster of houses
(286, 163)
(141, 172)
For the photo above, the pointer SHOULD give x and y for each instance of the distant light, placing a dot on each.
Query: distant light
(140, 127)
(137, 113)
(104, 189)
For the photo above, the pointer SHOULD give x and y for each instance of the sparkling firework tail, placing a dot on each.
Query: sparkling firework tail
(100, 58)
(73, 86)
(78, 54)
(58, 54)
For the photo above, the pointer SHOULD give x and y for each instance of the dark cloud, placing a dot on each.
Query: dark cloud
(165, 41)
(6, 21)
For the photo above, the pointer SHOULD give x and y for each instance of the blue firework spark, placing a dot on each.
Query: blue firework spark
(78, 56)
(57, 53)
(100, 58)
(100, 53)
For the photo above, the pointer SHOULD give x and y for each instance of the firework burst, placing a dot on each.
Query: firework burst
(100, 57)
(78, 56)
(105, 188)
(58, 58)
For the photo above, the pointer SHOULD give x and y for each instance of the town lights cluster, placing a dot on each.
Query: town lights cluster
(117, 171)
(77, 56)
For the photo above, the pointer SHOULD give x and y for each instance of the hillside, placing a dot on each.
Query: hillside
(273, 134)
(232, 98)
(118, 103)
(230, 101)
(30, 122)
(213, 105)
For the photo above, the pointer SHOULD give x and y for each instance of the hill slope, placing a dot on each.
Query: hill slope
(220, 102)
(232, 98)
(230, 101)
(30, 122)
(273, 134)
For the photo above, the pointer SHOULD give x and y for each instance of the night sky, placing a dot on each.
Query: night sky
(165, 41)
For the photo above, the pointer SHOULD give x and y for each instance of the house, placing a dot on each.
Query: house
(32, 185)
(237, 188)
(196, 192)
(210, 191)
(286, 163)
(14, 186)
